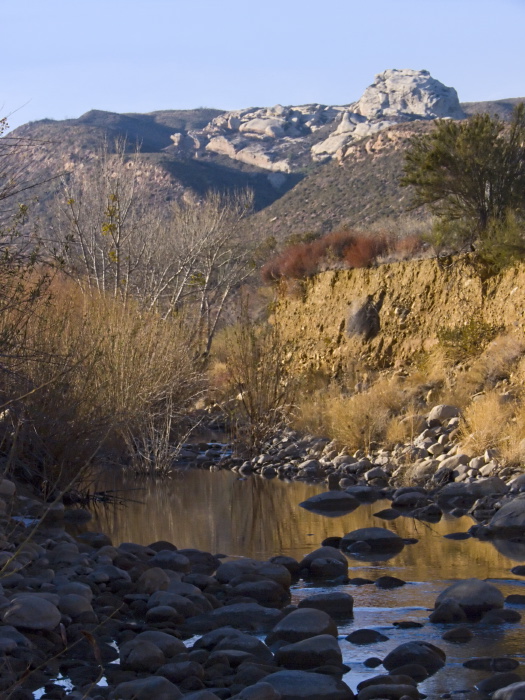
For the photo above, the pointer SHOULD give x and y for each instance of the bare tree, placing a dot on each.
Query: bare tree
(120, 238)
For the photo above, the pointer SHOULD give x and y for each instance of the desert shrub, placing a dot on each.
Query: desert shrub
(469, 339)
(485, 423)
(259, 394)
(90, 371)
(343, 248)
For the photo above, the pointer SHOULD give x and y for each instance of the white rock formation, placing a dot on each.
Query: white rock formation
(407, 94)
(278, 138)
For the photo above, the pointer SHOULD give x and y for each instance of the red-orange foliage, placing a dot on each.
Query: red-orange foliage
(343, 248)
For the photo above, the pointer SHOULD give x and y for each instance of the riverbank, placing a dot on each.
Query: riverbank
(128, 620)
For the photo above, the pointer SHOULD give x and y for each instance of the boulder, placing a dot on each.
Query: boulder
(146, 688)
(141, 655)
(322, 650)
(31, 612)
(331, 503)
(443, 412)
(430, 657)
(378, 538)
(302, 624)
(300, 685)
(475, 597)
(335, 604)
(509, 520)
(514, 691)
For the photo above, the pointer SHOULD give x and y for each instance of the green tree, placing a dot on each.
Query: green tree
(471, 174)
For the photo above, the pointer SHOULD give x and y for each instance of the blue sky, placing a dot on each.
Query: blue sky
(62, 58)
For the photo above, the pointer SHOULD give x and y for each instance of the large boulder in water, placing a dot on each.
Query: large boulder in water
(322, 650)
(475, 597)
(300, 685)
(509, 520)
(422, 653)
(514, 691)
(378, 538)
(331, 503)
(302, 624)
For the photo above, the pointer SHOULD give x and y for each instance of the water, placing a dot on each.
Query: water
(222, 513)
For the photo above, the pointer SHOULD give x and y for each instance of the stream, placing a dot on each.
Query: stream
(220, 512)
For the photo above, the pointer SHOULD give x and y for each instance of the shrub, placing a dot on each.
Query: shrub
(486, 423)
(468, 340)
(90, 371)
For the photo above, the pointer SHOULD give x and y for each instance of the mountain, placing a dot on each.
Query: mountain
(312, 167)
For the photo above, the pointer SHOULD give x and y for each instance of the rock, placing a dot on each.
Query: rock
(389, 692)
(249, 616)
(266, 592)
(448, 611)
(173, 561)
(327, 568)
(31, 612)
(422, 653)
(460, 635)
(141, 655)
(300, 685)
(310, 653)
(302, 624)
(509, 520)
(230, 570)
(335, 604)
(443, 412)
(152, 580)
(331, 503)
(378, 538)
(169, 645)
(389, 582)
(366, 636)
(146, 688)
(514, 691)
(7, 488)
(230, 638)
(74, 605)
(498, 681)
(474, 597)
(258, 691)
(322, 553)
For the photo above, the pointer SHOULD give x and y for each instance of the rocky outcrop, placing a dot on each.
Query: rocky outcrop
(282, 139)
(407, 94)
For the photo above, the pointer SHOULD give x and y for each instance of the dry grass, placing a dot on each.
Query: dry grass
(91, 371)
(485, 423)
(380, 414)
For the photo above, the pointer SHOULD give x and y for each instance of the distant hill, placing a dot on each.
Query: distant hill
(312, 168)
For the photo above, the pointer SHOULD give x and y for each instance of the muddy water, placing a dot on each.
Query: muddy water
(221, 513)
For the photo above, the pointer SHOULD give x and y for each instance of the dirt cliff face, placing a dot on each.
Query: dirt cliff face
(386, 316)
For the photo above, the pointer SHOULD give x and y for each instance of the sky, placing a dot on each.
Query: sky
(62, 58)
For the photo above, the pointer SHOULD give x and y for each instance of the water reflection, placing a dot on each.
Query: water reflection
(222, 513)
(219, 512)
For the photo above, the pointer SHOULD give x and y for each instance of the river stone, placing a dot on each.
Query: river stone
(514, 691)
(378, 538)
(270, 570)
(322, 650)
(300, 685)
(422, 653)
(32, 613)
(182, 605)
(141, 655)
(302, 624)
(448, 611)
(146, 688)
(327, 568)
(258, 691)
(474, 596)
(323, 553)
(74, 605)
(249, 616)
(364, 493)
(443, 412)
(460, 635)
(509, 520)
(496, 682)
(366, 636)
(167, 643)
(230, 638)
(336, 603)
(388, 691)
(174, 561)
(152, 580)
(201, 562)
(266, 592)
(288, 562)
(331, 502)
